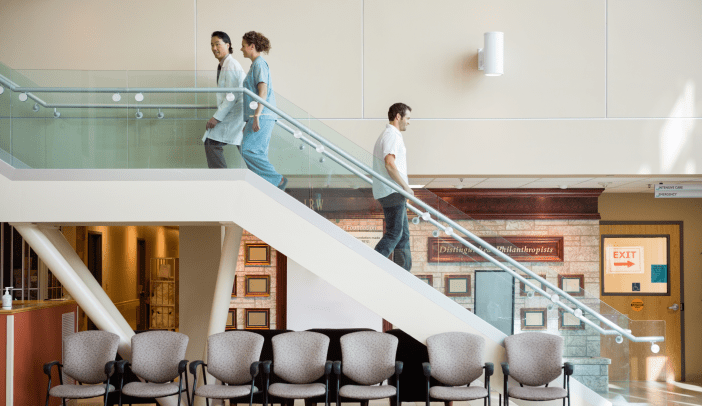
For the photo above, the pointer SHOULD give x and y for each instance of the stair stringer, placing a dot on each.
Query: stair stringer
(196, 196)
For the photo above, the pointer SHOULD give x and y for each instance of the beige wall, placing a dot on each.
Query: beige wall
(590, 86)
(631, 207)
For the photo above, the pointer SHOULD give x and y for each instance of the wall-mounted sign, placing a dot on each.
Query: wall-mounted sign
(523, 249)
(635, 263)
(637, 305)
(368, 234)
(624, 259)
(678, 191)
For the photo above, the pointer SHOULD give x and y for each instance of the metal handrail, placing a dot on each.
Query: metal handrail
(449, 230)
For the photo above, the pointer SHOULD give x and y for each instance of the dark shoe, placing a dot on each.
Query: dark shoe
(283, 183)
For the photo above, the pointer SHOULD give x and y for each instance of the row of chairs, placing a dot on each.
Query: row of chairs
(299, 364)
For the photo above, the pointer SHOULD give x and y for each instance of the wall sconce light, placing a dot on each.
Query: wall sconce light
(491, 58)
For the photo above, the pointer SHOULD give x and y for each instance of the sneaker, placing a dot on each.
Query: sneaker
(283, 183)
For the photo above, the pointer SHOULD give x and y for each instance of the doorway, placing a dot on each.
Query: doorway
(667, 306)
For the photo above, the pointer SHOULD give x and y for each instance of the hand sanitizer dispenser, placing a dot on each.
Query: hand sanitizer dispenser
(7, 299)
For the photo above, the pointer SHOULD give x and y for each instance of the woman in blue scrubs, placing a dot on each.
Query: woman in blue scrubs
(259, 120)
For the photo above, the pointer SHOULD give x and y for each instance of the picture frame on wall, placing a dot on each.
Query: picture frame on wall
(257, 319)
(534, 319)
(257, 254)
(524, 289)
(567, 321)
(573, 285)
(234, 288)
(231, 320)
(429, 279)
(457, 285)
(257, 285)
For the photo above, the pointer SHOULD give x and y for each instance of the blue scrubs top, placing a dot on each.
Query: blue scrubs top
(258, 73)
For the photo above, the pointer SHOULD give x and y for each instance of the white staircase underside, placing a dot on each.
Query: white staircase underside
(237, 196)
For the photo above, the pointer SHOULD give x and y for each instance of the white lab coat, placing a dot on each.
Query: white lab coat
(229, 113)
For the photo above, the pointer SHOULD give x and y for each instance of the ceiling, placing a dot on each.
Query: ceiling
(610, 184)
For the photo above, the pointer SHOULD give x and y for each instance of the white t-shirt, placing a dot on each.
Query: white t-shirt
(389, 142)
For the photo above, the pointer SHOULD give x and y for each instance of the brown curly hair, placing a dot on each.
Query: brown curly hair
(259, 40)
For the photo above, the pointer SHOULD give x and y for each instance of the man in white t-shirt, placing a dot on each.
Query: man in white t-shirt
(390, 160)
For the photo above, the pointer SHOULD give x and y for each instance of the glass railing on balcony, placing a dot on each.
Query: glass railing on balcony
(99, 120)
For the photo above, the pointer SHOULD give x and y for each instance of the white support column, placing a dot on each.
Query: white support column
(225, 279)
(69, 269)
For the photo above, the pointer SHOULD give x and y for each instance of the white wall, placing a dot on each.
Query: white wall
(590, 87)
(314, 303)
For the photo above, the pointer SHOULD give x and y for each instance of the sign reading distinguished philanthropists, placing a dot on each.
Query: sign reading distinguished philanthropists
(525, 249)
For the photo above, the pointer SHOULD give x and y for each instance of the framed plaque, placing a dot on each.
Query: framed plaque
(457, 285)
(567, 321)
(534, 319)
(257, 319)
(573, 285)
(231, 320)
(234, 288)
(257, 254)
(257, 285)
(429, 279)
(524, 289)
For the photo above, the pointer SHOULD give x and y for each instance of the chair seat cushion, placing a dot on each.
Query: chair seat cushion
(537, 393)
(150, 390)
(458, 392)
(297, 391)
(367, 392)
(223, 391)
(79, 391)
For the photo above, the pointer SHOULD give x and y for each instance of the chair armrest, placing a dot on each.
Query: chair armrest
(119, 366)
(266, 367)
(505, 369)
(254, 368)
(182, 366)
(110, 368)
(194, 365)
(328, 367)
(337, 367)
(568, 368)
(49, 365)
(427, 369)
(398, 367)
(489, 369)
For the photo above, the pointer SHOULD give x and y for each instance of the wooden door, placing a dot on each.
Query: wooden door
(669, 362)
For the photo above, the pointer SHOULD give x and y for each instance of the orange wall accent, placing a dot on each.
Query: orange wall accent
(37, 341)
(3, 355)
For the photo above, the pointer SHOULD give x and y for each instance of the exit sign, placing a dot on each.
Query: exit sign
(624, 259)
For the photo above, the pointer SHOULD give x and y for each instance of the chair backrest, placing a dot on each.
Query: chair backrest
(534, 359)
(230, 354)
(86, 353)
(156, 354)
(368, 357)
(456, 358)
(299, 357)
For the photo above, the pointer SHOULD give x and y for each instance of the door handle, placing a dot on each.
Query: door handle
(674, 307)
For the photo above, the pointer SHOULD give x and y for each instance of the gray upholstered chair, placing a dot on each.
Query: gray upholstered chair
(534, 360)
(456, 360)
(368, 359)
(299, 359)
(89, 358)
(157, 358)
(233, 359)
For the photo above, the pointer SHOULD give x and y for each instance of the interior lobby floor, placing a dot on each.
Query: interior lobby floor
(638, 394)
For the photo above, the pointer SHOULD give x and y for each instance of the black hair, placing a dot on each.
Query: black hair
(398, 108)
(225, 38)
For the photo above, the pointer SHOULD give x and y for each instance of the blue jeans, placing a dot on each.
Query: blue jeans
(254, 149)
(396, 238)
